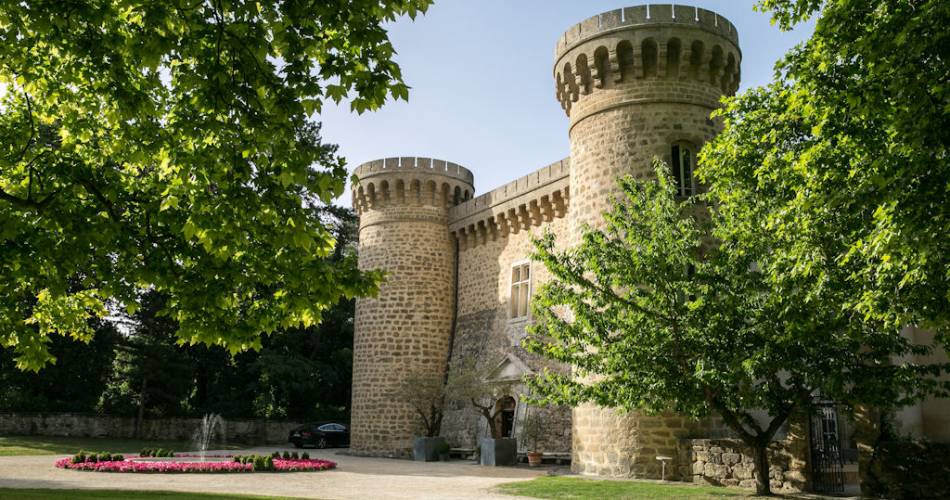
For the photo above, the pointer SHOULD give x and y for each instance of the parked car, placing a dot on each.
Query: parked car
(320, 435)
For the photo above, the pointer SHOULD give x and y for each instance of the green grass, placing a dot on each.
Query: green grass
(46, 445)
(36, 494)
(579, 488)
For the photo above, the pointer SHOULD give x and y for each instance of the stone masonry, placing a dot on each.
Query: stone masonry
(633, 83)
(403, 206)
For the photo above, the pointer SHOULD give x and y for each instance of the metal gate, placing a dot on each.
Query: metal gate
(826, 465)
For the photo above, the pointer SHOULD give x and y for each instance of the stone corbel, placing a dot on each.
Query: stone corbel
(614, 62)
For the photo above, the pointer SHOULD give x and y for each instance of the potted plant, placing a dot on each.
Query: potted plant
(468, 382)
(425, 393)
(444, 451)
(532, 431)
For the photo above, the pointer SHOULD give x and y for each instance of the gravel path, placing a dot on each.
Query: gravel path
(354, 477)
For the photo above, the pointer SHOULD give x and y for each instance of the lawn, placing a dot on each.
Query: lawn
(46, 445)
(45, 494)
(574, 487)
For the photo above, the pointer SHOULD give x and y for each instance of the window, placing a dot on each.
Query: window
(683, 170)
(520, 290)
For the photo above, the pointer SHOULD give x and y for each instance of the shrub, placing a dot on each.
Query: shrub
(118, 458)
(146, 452)
(276, 454)
(79, 457)
(295, 456)
(259, 464)
(286, 455)
(105, 457)
(268, 463)
(305, 456)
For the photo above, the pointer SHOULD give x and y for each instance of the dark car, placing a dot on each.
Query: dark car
(325, 435)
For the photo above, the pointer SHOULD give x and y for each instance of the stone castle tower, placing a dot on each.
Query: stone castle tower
(403, 206)
(635, 83)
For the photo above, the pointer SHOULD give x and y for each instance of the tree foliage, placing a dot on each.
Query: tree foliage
(655, 315)
(844, 157)
(166, 145)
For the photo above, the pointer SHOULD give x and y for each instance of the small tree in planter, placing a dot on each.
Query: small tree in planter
(532, 432)
(425, 393)
(470, 384)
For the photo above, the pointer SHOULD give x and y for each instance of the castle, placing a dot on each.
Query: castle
(635, 83)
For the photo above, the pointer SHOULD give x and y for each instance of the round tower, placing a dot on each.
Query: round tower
(637, 83)
(403, 206)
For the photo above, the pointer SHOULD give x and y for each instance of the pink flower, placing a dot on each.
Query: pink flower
(184, 467)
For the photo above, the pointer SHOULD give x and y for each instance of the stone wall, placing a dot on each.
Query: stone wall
(170, 429)
(728, 462)
(486, 332)
(405, 330)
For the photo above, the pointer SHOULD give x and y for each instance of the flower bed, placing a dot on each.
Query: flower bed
(131, 465)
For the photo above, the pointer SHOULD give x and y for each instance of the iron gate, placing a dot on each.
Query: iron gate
(826, 464)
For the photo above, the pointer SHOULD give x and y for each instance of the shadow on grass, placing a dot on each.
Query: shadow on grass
(576, 488)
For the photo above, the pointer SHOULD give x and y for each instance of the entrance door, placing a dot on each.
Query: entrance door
(506, 416)
(826, 464)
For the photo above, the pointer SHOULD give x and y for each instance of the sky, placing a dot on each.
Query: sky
(482, 91)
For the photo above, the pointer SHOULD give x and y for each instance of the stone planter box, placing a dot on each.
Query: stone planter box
(426, 449)
(499, 451)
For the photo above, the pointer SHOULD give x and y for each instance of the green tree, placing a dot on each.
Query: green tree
(166, 145)
(153, 375)
(73, 384)
(655, 315)
(844, 157)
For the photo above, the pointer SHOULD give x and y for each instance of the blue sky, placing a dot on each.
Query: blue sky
(482, 94)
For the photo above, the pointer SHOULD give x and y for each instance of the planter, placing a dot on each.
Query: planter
(499, 451)
(534, 458)
(426, 449)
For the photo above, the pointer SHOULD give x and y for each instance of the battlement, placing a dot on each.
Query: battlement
(414, 164)
(411, 181)
(528, 201)
(694, 50)
(641, 15)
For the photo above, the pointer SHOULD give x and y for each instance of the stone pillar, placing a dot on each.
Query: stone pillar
(615, 130)
(406, 329)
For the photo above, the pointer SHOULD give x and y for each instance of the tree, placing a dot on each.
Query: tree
(153, 374)
(166, 145)
(845, 158)
(73, 384)
(426, 395)
(468, 382)
(655, 315)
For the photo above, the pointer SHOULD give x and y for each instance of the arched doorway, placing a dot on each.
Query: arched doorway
(505, 416)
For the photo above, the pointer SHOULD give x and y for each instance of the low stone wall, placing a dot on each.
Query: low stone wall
(172, 429)
(728, 462)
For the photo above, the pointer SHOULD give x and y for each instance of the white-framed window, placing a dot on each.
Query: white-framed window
(682, 167)
(520, 290)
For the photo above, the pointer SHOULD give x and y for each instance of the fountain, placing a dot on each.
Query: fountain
(205, 433)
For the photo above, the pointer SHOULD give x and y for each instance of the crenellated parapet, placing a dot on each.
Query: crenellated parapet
(648, 43)
(411, 181)
(529, 201)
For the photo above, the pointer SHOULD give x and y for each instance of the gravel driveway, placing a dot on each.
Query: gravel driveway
(354, 477)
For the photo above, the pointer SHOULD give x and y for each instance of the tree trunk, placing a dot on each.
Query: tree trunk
(761, 452)
(140, 415)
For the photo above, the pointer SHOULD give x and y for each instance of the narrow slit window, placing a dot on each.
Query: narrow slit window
(520, 290)
(683, 170)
